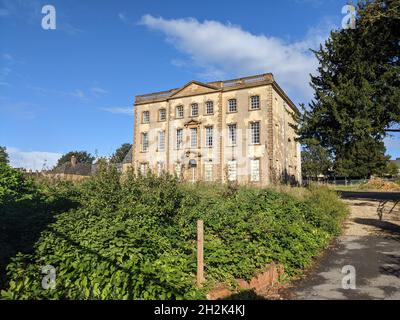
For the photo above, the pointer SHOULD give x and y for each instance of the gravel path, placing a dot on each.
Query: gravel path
(371, 246)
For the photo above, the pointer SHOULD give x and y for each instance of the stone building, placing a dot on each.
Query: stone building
(234, 130)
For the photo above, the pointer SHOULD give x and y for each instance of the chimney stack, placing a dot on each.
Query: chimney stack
(73, 161)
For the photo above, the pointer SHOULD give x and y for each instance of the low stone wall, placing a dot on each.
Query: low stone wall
(57, 176)
(259, 283)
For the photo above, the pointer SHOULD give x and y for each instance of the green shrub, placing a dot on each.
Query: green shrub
(26, 208)
(134, 237)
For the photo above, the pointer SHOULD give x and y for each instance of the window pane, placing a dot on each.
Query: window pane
(179, 138)
(255, 132)
(209, 107)
(232, 105)
(179, 111)
(146, 117)
(163, 115)
(232, 134)
(161, 141)
(195, 110)
(193, 137)
(209, 136)
(145, 142)
(255, 102)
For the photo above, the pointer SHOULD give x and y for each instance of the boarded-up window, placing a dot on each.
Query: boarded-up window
(232, 170)
(208, 171)
(178, 169)
(255, 170)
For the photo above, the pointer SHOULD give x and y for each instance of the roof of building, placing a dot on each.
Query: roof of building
(82, 169)
(225, 85)
(128, 157)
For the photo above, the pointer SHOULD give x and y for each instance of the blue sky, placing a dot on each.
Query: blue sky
(73, 88)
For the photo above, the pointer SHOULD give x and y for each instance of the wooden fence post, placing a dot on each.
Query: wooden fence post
(200, 242)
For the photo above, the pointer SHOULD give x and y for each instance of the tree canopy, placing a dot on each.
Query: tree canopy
(392, 169)
(4, 155)
(357, 90)
(81, 157)
(315, 160)
(119, 154)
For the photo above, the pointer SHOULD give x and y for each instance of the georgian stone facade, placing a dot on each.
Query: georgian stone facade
(238, 130)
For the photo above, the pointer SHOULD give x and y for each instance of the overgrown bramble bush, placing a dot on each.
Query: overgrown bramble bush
(134, 237)
(26, 208)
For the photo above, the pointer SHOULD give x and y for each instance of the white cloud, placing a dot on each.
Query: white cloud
(123, 17)
(119, 110)
(4, 72)
(34, 160)
(88, 94)
(69, 29)
(77, 93)
(97, 91)
(8, 57)
(228, 50)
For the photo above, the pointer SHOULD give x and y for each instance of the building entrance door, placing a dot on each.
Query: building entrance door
(193, 168)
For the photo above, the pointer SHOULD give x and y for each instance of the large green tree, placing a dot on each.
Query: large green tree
(3, 155)
(392, 169)
(315, 160)
(357, 90)
(81, 157)
(119, 154)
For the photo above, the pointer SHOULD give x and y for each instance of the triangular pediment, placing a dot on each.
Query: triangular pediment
(194, 88)
(192, 122)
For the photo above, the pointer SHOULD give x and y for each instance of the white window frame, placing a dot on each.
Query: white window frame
(179, 139)
(179, 112)
(145, 141)
(255, 170)
(193, 138)
(255, 102)
(209, 132)
(162, 114)
(209, 107)
(232, 170)
(232, 105)
(194, 107)
(161, 140)
(146, 117)
(255, 128)
(232, 134)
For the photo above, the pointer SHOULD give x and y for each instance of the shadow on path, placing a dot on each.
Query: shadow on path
(370, 195)
(386, 226)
